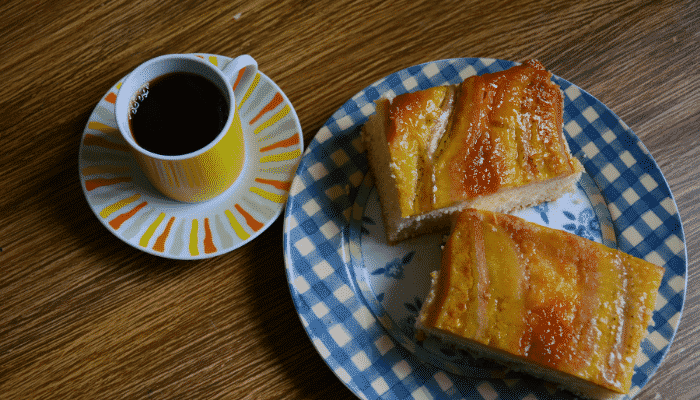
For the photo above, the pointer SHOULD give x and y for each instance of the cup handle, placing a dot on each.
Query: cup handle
(240, 70)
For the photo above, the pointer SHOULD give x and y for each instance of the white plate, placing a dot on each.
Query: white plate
(358, 297)
(133, 210)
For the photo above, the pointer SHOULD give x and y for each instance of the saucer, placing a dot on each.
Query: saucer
(127, 204)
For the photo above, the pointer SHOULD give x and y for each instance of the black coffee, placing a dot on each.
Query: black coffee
(182, 113)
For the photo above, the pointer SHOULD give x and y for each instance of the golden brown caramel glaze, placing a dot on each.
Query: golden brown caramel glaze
(503, 130)
(544, 295)
(506, 131)
(411, 125)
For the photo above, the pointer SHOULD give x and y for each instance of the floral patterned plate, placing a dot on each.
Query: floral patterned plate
(358, 297)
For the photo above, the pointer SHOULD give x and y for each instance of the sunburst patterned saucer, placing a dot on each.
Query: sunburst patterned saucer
(132, 209)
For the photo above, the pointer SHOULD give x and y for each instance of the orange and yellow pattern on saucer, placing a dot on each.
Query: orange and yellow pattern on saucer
(130, 207)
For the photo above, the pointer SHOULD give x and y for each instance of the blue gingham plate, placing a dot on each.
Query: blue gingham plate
(358, 298)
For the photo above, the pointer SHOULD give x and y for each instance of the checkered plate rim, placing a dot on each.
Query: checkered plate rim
(319, 253)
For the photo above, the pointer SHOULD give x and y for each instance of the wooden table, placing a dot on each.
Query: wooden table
(83, 315)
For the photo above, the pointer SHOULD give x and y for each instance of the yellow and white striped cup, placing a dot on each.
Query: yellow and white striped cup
(209, 171)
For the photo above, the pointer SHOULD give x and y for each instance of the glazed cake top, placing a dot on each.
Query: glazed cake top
(502, 129)
(546, 295)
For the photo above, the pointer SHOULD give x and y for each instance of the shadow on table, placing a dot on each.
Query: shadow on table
(64, 207)
(283, 331)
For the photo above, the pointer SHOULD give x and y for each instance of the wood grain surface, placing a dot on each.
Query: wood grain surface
(83, 315)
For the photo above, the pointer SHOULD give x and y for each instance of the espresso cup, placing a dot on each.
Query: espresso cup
(186, 138)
